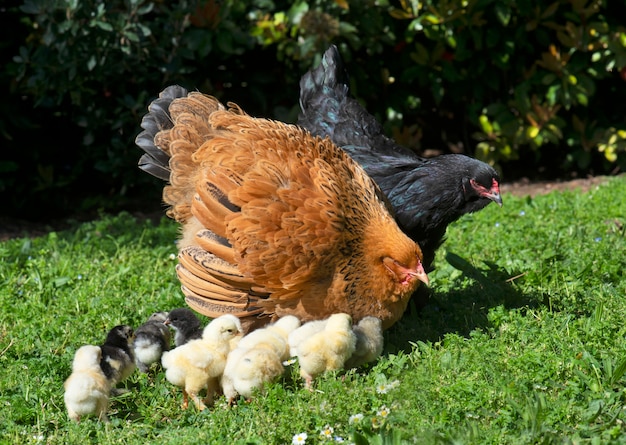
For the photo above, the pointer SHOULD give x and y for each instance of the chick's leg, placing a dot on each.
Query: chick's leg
(213, 387)
(185, 399)
(196, 399)
(308, 380)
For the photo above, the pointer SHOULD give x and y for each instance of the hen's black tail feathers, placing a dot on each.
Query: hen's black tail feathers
(322, 92)
(328, 110)
(155, 161)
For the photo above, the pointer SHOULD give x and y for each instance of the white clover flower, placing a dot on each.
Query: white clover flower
(325, 407)
(384, 388)
(172, 256)
(299, 439)
(383, 412)
(355, 418)
(327, 432)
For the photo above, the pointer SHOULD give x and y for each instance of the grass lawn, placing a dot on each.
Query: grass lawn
(521, 342)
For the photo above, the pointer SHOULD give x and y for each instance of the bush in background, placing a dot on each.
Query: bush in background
(525, 85)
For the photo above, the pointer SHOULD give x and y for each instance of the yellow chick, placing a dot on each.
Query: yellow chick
(369, 342)
(328, 349)
(275, 334)
(239, 374)
(87, 388)
(302, 333)
(250, 369)
(199, 363)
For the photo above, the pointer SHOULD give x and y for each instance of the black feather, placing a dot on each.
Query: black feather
(426, 194)
(117, 360)
(186, 325)
(155, 161)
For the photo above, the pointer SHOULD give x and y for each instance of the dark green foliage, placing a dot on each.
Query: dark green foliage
(533, 87)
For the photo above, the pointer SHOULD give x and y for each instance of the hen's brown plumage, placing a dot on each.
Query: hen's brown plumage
(275, 221)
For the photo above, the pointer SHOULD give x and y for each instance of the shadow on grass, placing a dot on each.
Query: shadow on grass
(432, 314)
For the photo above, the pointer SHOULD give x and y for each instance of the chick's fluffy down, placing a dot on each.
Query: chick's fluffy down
(328, 349)
(197, 364)
(87, 388)
(249, 369)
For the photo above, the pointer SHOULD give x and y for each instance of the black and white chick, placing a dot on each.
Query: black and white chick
(151, 339)
(118, 361)
(185, 324)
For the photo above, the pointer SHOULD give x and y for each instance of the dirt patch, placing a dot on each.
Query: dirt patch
(526, 187)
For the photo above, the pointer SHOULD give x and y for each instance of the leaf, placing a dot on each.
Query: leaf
(503, 13)
(103, 25)
(61, 281)
(91, 63)
(400, 14)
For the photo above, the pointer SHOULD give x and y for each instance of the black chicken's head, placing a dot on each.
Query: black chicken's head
(481, 187)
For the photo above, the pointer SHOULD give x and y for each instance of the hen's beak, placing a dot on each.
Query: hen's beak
(494, 195)
(420, 274)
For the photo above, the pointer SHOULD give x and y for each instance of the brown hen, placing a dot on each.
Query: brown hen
(274, 221)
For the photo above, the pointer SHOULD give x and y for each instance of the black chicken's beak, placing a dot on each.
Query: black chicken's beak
(495, 197)
(494, 192)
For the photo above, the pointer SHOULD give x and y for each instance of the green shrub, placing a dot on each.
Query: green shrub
(527, 75)
(522, 84)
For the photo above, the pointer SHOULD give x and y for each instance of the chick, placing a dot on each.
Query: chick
(151, 339)
(87, 388)
(369, 342)
(276, 334)
(118, 361)
(199, 363)
(249, 369)
(185, 324)
(328, 349)
(258, 358)
(302, 333)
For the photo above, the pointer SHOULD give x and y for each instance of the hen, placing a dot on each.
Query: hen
(426, 194)
(274, 221)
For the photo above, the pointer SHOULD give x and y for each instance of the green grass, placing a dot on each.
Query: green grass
(522, 341)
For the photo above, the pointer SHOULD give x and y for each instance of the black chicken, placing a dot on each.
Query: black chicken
(426, 194)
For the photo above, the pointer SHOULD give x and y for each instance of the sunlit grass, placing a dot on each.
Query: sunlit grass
(521, 341)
